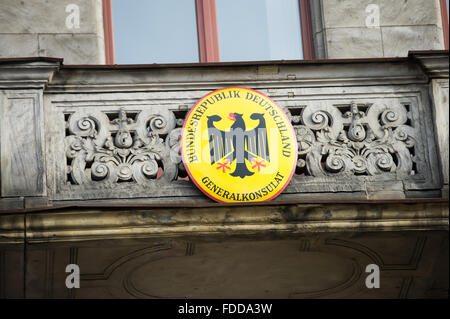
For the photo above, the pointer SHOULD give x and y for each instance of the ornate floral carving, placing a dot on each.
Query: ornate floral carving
(124, 149)
(356, 142)
(333, 139)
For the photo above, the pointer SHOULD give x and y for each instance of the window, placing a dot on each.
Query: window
(157, 31)
(173, 31)
(259, 30)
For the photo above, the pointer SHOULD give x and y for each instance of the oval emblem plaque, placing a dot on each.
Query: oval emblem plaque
(238, 146)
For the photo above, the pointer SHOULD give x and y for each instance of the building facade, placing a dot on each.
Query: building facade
(142, 229)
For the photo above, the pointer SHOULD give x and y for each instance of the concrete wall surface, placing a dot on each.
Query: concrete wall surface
(72, 30)
(375, 28)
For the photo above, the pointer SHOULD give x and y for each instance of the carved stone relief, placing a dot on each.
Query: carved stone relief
(371, 142)
(105, 150)
(133, 149)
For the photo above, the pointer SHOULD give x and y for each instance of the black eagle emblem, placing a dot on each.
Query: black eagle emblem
(238, 144)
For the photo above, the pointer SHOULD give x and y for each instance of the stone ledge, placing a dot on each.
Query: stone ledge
(435, 65)
(27, 73)
(69, 225)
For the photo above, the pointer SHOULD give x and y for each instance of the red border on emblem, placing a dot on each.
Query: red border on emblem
(182, 146)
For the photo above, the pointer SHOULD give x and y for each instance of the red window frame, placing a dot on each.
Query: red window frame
(444, 17)
(108, 31)
(307, 34)
(208, 38)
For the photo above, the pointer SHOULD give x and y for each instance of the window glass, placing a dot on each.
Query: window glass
(157, 31)
(252, 30)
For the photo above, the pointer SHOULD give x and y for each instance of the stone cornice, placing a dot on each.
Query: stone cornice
(40, 71)
(434, 63)
(29, 73)
(92, 224)
(277, 74)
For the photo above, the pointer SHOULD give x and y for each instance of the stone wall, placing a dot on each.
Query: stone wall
(33, 28)
(295, 251)
(349, 28)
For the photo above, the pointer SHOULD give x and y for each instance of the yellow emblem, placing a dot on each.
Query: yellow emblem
(238, 146)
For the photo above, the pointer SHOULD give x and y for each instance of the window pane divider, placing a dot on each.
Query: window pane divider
(307, 34)
(208, 39)
(108, 31)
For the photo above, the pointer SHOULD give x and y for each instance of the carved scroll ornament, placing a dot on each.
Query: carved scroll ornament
(333, 140)
(101, 150)
(355, 142)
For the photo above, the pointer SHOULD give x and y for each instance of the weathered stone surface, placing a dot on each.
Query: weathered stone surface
(12, 272)
(36, 202)
(12, 229)
(203, 79)
(351, 13)
(320, 45)
(435, 65)
(440, 272)
(218, 221)
(385, 190)
(22, 161)
(211, 252)
(18, 45)
(361, 42)
(320, 265)
(38, 28)
(34, 74)
(441, 116)
(36, 16)
(354, 43)
(410, 13)
(344, 14)
(11, 203)
(404, 26)
(397, 41)
(316, 16)
(74, 48)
